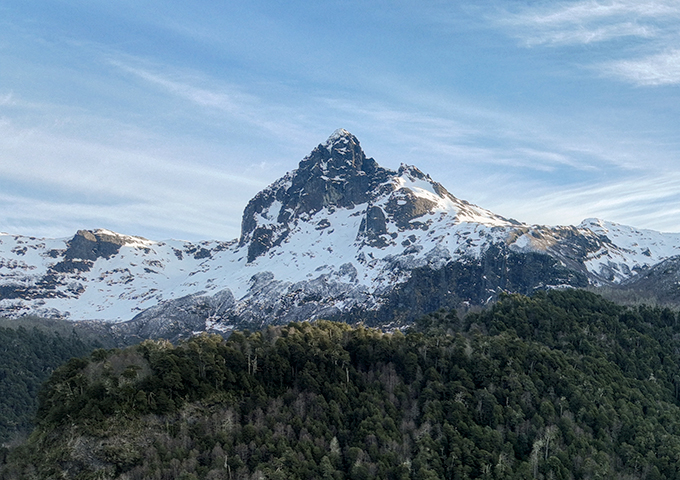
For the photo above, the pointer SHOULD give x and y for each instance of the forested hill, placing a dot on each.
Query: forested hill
(30, 349)
(562, 385)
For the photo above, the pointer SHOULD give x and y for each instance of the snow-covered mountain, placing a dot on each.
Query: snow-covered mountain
(338, 234)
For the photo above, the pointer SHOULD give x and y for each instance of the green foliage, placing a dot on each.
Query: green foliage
(28, 355)
(563, 385)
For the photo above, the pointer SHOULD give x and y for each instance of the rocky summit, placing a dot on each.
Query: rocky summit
(340, 235)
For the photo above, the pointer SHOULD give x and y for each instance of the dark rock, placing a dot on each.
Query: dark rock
(178, 318)
(323, 224)
(455, 264)
(334, 175)
(468, 283)
(87, 245)
(72, 265)
(260, 242)
(657, 284)
(375, 221)
(12, 291)
(198, 252)
(373, 227)
(404, 207)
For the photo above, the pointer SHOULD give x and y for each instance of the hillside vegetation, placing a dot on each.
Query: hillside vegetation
(558, 386)
(30, 349)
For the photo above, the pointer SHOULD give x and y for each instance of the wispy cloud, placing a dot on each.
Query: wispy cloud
(471, 135)
(521, 168)
(228, 99)
(660, 69)
(92, 183)
(468, 136)
(54, 218)
(7, 99)
(200, 96)
(580, 34)
(640, 201)
(654, 25)
(589, 21)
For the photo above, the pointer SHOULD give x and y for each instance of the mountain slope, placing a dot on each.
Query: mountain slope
(338, 234)
(563, 385)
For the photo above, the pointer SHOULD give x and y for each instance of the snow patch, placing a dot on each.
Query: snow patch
(337, 135)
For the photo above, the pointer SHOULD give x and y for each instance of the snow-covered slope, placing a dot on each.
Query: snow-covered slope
(339, 233)
(606, 251)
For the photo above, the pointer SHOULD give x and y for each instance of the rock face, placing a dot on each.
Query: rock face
(660, 283)
(340, 236)
(336, 174)
(86, 247)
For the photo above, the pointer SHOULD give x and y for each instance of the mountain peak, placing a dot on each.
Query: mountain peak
(338, 175)
(341, 155)
(93, 244)
(338, 234)
(340, 136)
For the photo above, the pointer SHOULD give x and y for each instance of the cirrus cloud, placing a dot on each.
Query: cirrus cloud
(650, 27)
(659, 69)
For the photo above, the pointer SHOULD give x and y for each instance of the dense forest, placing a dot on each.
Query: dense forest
(30, 349)
(562, 385)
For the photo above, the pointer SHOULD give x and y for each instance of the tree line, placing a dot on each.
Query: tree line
(561, 385)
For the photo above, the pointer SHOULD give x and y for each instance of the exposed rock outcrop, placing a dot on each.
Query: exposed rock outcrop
(340, 236)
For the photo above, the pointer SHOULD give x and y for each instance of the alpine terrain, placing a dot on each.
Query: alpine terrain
(338, 235)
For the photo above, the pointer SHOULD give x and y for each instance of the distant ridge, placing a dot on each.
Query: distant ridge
(339, 235)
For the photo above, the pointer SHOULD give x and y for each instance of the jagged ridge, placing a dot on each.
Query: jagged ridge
(338, 234)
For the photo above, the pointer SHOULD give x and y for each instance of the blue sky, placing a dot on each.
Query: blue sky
(163, 119)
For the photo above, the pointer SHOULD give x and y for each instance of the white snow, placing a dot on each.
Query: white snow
(270, 215)
(144, 272)
(632, 248)
(336, 135)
